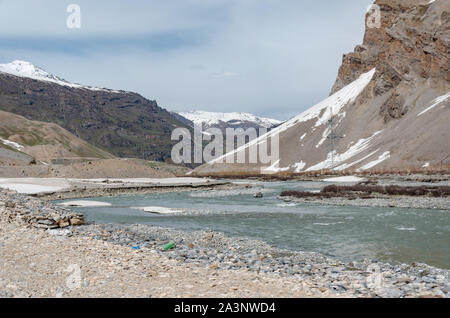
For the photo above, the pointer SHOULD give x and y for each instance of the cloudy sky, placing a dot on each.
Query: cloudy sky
(274, 58)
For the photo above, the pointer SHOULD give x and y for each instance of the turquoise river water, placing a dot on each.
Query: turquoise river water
(348, 233)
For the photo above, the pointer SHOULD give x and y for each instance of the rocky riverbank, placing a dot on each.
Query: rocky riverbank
(35, 213)
(368, 278)
(116, 190)
(66, 188)
(210, 263)
(391, 202)
(392, 193)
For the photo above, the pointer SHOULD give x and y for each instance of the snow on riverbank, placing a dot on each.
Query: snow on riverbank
(29, 188)
(344, 179)
(34, 185)
(156, 181)
(85, 204)
(43, 185)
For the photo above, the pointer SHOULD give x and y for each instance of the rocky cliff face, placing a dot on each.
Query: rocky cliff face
(410, 49)
(122, 123)
(389, 108)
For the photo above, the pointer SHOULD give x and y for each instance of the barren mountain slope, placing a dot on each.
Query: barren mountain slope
(122, 123)
(44, 141)
(389, 107)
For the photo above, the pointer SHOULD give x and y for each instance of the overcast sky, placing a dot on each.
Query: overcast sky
(274, 58)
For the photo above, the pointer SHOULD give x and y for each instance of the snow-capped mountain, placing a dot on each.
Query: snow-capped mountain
(124, 123)
(388, 109)
(28, 70)
(228, 120)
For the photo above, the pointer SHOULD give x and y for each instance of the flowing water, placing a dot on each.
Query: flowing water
(347, 233)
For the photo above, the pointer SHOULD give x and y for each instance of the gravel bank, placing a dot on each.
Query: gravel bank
(111, 189)
(393, 202)
(36, 264)
(116, 260)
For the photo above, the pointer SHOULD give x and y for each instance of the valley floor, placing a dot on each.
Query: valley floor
(102, 260)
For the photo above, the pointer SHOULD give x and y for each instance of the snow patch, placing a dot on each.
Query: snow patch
(152, 181)
(354, 150)
(369, 8)
(85, 204)
(349, 165)
(436, 102)
(30, 188)
(299, 166)
(380, 159)
(325, 135)
(274, 168)
(12, 144)
(344, 179)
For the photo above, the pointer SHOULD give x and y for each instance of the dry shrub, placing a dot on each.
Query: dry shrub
(364, 191)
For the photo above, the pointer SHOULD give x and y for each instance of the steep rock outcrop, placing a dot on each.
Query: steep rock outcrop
(389, 108)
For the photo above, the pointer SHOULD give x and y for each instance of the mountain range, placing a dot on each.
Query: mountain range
(122, 123)
(223, 121)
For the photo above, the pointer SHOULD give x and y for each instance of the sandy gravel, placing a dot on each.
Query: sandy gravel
(36, 264)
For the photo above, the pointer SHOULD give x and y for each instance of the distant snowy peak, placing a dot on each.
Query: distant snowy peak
(212, 119)
(28, 70)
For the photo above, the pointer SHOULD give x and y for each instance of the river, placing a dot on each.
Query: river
(393, 235)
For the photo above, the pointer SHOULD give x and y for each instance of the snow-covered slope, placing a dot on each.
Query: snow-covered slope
(28, 70)
(388, 110)
(212, 119)
(320, 114)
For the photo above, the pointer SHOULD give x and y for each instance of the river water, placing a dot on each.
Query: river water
(348, 233)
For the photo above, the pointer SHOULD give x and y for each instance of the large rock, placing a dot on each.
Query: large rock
(76, 221)
(16, 207)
